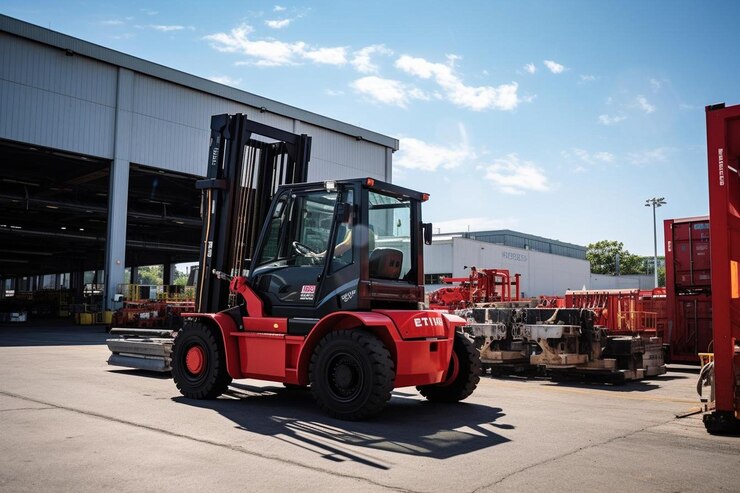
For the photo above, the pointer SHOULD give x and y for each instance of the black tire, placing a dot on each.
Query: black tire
(462, 375)
(351, 374)
(199, 362)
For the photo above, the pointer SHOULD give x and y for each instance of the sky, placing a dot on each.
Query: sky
(553, 118)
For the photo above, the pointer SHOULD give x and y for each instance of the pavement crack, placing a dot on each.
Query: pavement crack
(233, 448)
(26, 409)
(567, 454)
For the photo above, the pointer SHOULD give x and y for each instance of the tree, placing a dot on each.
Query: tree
(150, 274)
(181, 277)
(603, 258)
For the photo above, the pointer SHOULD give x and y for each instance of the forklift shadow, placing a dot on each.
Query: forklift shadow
(408, 425)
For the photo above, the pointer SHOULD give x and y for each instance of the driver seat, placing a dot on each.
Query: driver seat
(385, 263)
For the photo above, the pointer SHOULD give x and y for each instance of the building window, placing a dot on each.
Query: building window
(435, 278)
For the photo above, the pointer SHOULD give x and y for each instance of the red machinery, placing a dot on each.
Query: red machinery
(623, 311)
(688, 288)
(723, 150)
(296, 309)
(481, 286)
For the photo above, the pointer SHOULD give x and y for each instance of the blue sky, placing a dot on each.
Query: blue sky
(552, 118)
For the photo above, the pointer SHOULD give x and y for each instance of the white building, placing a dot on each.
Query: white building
(541, 273)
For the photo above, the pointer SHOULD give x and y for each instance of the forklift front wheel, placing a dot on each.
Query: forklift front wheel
(351, 374)
(462, 376)
(198, 363)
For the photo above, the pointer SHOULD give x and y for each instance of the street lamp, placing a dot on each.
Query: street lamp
(655, 202)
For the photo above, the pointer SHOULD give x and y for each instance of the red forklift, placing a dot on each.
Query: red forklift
(314, 285)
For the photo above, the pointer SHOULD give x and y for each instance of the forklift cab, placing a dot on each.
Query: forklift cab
(340, 245)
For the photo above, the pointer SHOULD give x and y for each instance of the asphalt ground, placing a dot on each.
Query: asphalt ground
(70, 422)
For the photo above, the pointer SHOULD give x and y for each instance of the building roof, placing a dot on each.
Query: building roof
(477, 234)
(515, 239)
(75, 45)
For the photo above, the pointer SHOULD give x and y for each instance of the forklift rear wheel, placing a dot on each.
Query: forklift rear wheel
(351, 374)
(462, 375)
(198, 363)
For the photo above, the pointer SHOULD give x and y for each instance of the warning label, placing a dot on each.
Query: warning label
(308, 292)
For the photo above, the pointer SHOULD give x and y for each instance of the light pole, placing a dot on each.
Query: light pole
(655, 202)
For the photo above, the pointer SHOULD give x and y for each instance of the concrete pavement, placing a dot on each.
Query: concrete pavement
(70, 422)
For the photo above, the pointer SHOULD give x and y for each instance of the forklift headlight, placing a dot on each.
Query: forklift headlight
(330, 185)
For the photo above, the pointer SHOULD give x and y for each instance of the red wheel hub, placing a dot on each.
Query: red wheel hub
(195, 360)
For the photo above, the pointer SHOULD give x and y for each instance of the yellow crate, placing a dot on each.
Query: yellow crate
(706, 358)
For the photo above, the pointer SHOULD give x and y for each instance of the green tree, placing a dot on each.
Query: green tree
(181, 278)
(603, 258)
(150, 274)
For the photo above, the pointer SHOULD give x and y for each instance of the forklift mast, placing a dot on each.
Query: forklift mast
(247, 162)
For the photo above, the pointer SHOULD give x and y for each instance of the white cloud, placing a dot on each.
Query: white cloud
(415, 154)
(554, 67)
(587, 78)
(473, 224)
(611, 120)
(503, 97)
(277, 23)
(329, 56)
(655, 84)
(333, 92)
(272, 52)
(166, 29)
(644, 105)
(650, 156)
(530, 68)
(589, 157)
(225, 79)
(515, 176)
(149, 12)
(388, 91)
(362, 61)
(113, 23)
(278, 8)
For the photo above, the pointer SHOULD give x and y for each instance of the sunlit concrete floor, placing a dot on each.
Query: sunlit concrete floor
(69, 422)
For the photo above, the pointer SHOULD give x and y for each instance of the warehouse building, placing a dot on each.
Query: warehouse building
(548, 267)
(100, 152)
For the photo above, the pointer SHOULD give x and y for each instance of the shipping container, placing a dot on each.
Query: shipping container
(723, 157)
(688, 288)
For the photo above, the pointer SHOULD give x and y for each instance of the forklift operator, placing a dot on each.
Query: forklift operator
(342, 247)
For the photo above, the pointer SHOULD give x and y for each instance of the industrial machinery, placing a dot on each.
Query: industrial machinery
(327, 293)
(723, 150)
(563, 342)
(480, 287)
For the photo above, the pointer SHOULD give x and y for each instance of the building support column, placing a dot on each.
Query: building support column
(115, 248)
(168, 273)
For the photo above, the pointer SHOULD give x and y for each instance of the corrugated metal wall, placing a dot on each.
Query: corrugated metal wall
(53, 100)
(69, 103)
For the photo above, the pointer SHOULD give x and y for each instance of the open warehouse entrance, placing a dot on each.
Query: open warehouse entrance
(54, 212)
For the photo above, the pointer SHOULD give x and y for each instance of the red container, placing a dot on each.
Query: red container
(688, 288)
(691, 252)
(723, 155)
(692, 328)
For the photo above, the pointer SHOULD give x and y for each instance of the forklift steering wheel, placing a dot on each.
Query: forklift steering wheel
(303, 250)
